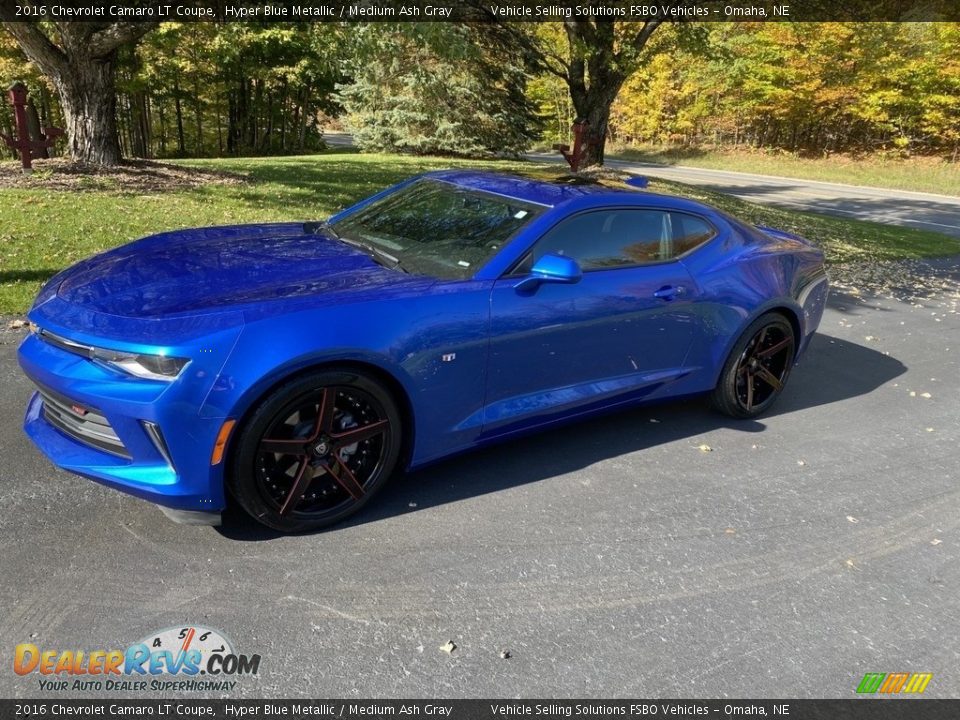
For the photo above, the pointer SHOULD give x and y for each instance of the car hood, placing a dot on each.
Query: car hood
(196, 271)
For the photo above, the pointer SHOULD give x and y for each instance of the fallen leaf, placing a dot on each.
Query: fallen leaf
(504, 654)
(730, 531)
(16, 324)
(870, 337)
(929, 429)
(926, 395)
(654, 420)
(705, 448)
(852, 519)
(449, 646)
(801, 462)
(936, 541)
(851, 563)
(913, 393)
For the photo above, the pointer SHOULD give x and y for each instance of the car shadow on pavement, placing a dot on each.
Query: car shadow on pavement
(833, 370)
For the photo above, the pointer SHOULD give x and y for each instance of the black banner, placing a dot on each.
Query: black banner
(478, 10)
(853, 709)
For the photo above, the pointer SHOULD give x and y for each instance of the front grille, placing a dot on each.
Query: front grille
(83, 424)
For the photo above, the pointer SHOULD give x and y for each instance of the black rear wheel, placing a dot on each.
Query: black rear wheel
(757, 369)
(316, 450)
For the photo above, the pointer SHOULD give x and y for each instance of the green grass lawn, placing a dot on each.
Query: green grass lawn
(932, 175)
(44, 230)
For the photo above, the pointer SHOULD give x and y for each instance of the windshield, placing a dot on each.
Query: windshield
(435, 228)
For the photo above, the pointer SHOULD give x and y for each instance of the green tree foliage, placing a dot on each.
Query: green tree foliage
(426, 89)
(813, 87)
(593, 58)
(236, 88)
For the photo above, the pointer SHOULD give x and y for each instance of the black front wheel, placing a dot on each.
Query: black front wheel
(316, 450)
(757, 369)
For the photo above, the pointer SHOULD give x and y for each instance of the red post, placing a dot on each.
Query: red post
(28, 149)
(573, 159)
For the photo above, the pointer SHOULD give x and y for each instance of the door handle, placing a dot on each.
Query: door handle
(669, 292)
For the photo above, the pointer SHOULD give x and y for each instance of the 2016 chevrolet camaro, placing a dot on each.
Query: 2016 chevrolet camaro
(297, 365)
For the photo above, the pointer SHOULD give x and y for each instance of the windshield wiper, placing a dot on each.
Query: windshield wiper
(313, 227)
(381, 257)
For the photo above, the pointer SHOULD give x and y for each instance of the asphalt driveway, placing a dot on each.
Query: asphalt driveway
(611, 558)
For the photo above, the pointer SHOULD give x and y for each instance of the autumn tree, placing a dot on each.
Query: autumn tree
(593, 57)
(80, 59)
(814, 88)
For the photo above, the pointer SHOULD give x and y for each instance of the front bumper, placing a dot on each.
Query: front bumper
(146, 438)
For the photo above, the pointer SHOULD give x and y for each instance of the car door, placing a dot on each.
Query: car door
(622, 331)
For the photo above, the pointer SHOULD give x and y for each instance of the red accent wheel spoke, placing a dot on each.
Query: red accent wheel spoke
(769, 378)
(300, 484)
(761, 338)
(324, 423)
(774, 349)
(345, 477)
(355, 435)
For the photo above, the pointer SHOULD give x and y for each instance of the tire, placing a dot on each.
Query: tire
(757, 368)
(316, 450)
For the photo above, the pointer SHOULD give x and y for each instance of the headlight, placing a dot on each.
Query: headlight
(151, 367)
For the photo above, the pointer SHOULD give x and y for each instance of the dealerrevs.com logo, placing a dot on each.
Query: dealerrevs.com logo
(894, 683)
(170, 660)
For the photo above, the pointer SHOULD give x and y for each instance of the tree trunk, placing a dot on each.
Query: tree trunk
(89, 102)
(598, 120)
(233, 125)
(198, 117)
(254, 114)
(181, 141)
(219, 110)
(267, 142)
(302, 124)
(283, 117)
(80, 59)
(594, 107)
(139, 124)
(36, 132)
(163, 128)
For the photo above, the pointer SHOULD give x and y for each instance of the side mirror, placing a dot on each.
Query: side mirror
(551, 269)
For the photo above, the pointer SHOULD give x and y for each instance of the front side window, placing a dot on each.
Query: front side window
(437, 228)
(606, 239)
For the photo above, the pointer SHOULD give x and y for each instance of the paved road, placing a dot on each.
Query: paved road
(612, 558)
(939, 213)
(925, 211)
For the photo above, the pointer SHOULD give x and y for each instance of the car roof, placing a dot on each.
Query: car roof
(560, 190)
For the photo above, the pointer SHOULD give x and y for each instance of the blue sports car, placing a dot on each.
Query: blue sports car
(297, 365)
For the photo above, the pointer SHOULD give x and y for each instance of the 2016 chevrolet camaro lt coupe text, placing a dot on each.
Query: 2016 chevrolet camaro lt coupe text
(296, 366)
